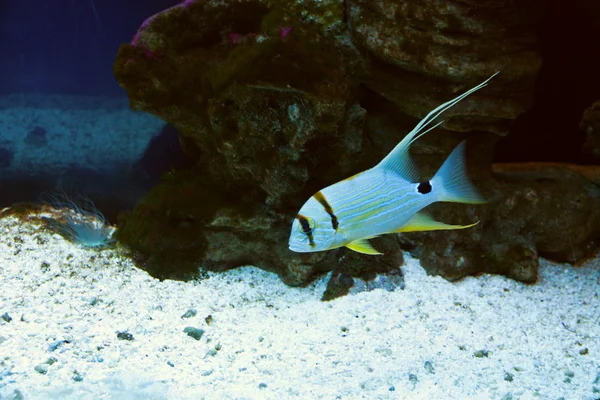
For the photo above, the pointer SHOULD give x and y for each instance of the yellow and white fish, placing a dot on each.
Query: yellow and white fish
(384, 199)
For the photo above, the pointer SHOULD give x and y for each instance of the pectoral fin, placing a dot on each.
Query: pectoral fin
(425, 222)
(362, 246)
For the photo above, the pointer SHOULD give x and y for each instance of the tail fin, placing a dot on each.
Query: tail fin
(451, 182)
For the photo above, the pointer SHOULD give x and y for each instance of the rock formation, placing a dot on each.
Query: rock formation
(275, 101)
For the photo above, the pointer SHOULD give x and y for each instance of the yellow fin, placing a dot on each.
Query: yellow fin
(362, 246)
(424, 222)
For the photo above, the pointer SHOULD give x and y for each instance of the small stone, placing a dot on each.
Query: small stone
(208, 319)
(569, 373)
(124, 336)
(16, 395)
(392, 389)
(51, 361)
(170, 364)
(508, 377)
(77, 377)
(583, 352)
(55, 345)
(429, 367)
(189, 313)
(211, 352)
(507, 396)
(413, 378)
(193, 332)
(41, 368)
(481, 353)
(97, 358)
(6, 317)
(262, 385)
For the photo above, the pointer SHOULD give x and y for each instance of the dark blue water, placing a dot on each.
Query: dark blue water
(65, 123)
(67, 46)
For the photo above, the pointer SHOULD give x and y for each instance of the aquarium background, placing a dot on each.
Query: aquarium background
(67, 46)
(58, 56)
(79, 322)
(65, 124)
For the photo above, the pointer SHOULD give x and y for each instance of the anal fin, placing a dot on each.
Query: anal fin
(362, 246)
(425, 222)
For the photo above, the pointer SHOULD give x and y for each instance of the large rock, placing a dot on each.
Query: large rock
(272, 117)
(275, 103)
(550, 210)
(425, 51)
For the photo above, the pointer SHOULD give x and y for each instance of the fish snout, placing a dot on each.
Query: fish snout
(298, 246)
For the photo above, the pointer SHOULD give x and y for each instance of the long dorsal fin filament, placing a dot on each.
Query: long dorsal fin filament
(398, 160)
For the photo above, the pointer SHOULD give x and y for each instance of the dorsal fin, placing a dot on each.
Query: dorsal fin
(398, 160)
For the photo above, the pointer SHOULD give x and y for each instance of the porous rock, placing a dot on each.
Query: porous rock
(424, 51)
(276, 102)
(550, 210)
(272, 119)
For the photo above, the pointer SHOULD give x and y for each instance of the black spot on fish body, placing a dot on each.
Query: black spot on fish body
(424, 187)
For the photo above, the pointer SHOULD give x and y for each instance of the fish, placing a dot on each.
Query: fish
(386, 199)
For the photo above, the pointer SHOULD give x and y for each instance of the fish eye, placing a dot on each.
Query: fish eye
(306, 224)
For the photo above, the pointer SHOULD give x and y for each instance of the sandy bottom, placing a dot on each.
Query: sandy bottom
(78, 131)
(82, 324)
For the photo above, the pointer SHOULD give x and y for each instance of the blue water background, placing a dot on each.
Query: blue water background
(56, 64)
(63, 46)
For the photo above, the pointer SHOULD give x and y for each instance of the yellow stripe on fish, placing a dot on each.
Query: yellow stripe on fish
(386, 198)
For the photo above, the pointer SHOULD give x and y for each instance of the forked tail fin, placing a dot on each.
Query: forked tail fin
(451, 182)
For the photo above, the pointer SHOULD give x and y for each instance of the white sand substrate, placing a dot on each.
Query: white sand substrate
(484, 337)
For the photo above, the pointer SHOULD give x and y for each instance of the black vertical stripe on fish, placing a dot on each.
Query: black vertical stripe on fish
(323, 201)
(305, 225)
